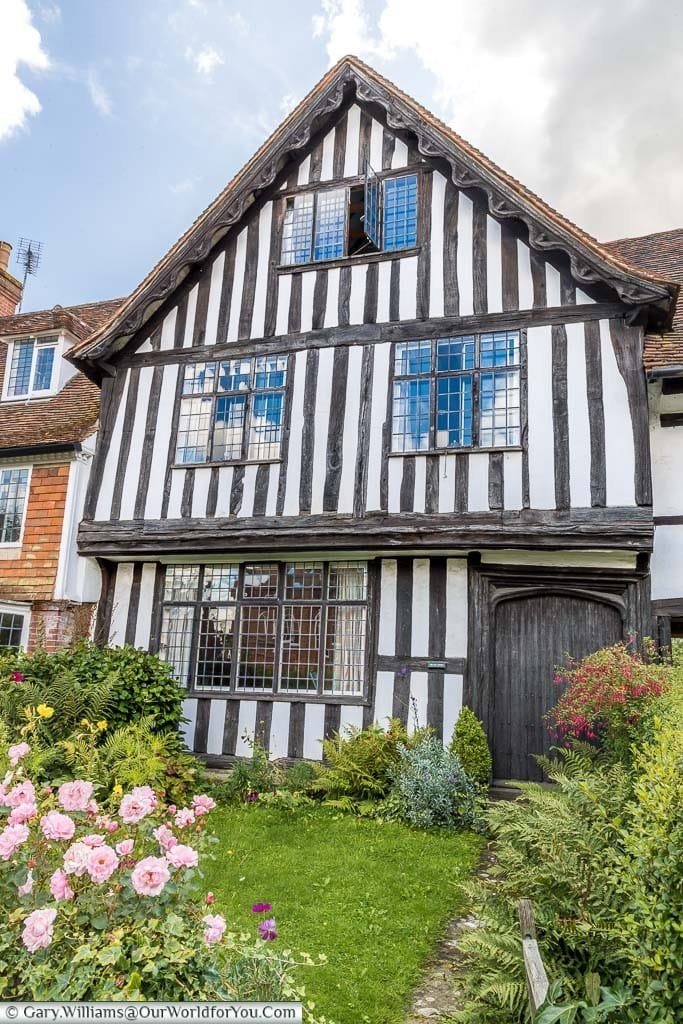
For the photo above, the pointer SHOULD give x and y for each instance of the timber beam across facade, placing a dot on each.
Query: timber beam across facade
(627, 528)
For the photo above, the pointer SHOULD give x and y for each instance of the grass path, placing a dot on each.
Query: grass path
(373, 897)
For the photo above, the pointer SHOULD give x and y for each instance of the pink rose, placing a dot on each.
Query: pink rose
(184, 817)
(74, 796)
(93, 840)
(215, 926)
(57, 826)
(22, 813)
(11, 838)
(17, 751)
(26, 888)
(112, 826)
(202, 804)
(76, 859)
(137, 804)
(164, 837)
(150, 876)
(59, 886)
(125, 847)
(37, 933)
(102, 863)
(22, 793)
(210, 898)
(180, 856)
(92, 807)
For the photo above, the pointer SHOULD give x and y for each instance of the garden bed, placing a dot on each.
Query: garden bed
(373, 897)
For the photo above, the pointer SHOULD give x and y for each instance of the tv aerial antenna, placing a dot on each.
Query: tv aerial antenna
(29, 254)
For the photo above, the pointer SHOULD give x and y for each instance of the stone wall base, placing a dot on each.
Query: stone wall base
(57, 624)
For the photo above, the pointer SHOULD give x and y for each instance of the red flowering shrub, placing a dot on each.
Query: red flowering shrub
(609, 700)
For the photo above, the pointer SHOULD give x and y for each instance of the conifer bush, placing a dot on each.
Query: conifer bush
(471, 746)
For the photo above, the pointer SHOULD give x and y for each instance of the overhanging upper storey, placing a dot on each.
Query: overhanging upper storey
(650, 296)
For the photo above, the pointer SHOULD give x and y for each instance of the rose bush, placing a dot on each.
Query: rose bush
(100, 899)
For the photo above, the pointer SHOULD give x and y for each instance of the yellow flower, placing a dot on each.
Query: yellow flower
(84, 721)
(102, 725)
(117, 790)
(44, 711)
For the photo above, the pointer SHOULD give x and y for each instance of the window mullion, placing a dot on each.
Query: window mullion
(279, 629)
(323, 628)
(196, 625)
(236, 631)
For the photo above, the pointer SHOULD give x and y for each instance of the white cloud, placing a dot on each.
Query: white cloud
(206, 60)
(50, 13)
(20, 44)
(98, 94)
(575, 103)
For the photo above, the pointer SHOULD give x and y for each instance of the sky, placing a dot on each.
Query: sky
(120, 120)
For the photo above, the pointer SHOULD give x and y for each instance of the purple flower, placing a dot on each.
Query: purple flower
(268, 929)
(18, 677)
(261, 908)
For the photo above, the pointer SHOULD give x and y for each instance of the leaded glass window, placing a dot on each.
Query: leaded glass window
(457, 393)
(232, 410)
(31, 367)
(13, 488)
(268, 627)
(12, 628)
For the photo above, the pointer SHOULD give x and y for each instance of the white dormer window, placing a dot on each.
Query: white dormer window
(32, 364)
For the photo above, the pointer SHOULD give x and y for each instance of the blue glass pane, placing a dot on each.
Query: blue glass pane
(297, 229)
(270, 371)
(45, 358)
(499, 409)
(234, 375)
(400, 212)
(329, 225)
(413, 357)
(499, 349)
(410, 420)
(228, 427)
(199, 378)
(454, 354)
(454, 412)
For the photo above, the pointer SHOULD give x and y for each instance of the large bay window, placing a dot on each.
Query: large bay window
(457, 393)
(232, 410)
(268, 627)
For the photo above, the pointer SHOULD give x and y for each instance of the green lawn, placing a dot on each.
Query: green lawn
(372, 897)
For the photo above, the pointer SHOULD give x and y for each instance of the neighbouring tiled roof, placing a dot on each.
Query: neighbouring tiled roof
(662, 253)
(72, 414)
(543, 209)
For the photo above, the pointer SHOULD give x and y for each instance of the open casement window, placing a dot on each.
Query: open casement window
(14, 620)
(32, 367)
(13, 494)
(268, 627)
(377, 215)
(232, 410)
(457, 393)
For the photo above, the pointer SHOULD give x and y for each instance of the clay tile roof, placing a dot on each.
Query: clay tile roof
(71, 415)
(138, 297)
(662, 253)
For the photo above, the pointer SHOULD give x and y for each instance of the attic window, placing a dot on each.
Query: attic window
(379, 215)
(31, 367)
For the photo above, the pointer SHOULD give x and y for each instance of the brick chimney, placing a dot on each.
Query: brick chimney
(10, 288)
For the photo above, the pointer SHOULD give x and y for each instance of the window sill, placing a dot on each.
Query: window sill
(40, 397)
(305, 698)
(225, 465)
(456, 451)
(348, 261)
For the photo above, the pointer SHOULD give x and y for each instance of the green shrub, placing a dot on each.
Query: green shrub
(470, 744)
(359, 763)
(250, 777)
(137, 684)
(430, 787)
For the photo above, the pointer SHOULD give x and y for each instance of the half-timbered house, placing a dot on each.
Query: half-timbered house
(374, 440)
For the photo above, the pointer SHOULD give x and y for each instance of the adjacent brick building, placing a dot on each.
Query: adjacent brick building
(48, 423)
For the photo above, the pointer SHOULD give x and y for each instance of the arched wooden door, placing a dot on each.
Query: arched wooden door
(533, 634)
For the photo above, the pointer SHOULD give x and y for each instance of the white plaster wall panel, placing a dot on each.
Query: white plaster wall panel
(667, 563)
(162, 437)
(314, 730)
(419, 639)
(214, 739)
(246, 728)
(291, 505)
(384, 698)
(666, 445)
(246, 509)
(386, 640)
(200, 492)
(512, 481)
(417, 712)
(223, 494)
(104, 498)
(283, 295)
(541, 432)
(456, 608)
(420, 483)
(407, 299)
(215, 289)
(307, 287)
(273, 484)
(478, 483)
(238, 285)
(189, 317)
(168, 329)
(145, 605)
(464, 255)
(436, 303)
(376, 137)
(452, 704)
(304, 171)
(279, 730)
(352, 141)
(579, 420)
(327, 167)
(350, 717)
(524, 279)
(395, 478)
(187, 728)
(332, 301)
(261, 288)
(552, 286)
(619, 445)
(400, 155)
(350, 439)
(357, 299)
(586, 559)
(383, 291)
(446, 483)
(176, 494)
(380, 386)
(322, 417)
(120, 603)
(131, 479)
(494, 266)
